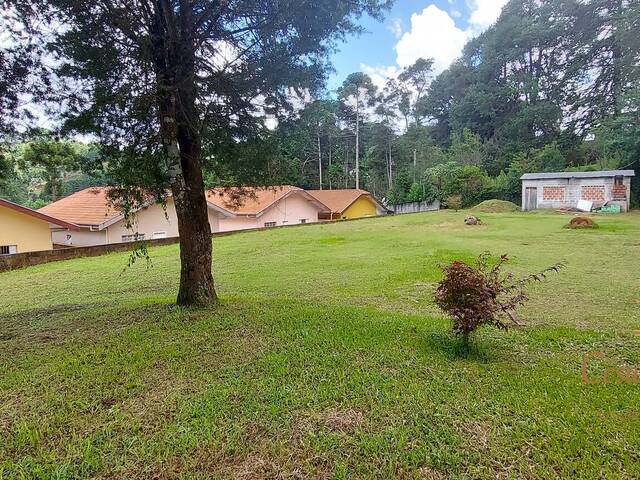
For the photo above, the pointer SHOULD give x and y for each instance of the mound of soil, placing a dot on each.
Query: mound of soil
(496, 206)
(581, 222)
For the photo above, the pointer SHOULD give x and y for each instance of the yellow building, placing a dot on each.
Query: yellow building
(25, 230)
(348, 203)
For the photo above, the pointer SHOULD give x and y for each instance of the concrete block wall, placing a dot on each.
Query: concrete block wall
(566, 192)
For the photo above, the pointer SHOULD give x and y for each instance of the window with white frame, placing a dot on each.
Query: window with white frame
(159, 235)
(270, 224)
(133, 238)
(8, 249)
(303, 220)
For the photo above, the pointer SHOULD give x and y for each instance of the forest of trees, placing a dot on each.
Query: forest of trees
(551, 86)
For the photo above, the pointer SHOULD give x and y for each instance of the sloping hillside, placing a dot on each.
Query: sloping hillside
(326, 359)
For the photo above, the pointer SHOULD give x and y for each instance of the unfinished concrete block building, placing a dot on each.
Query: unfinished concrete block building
(566, 189)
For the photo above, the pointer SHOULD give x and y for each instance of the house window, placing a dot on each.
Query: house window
(159, 235)
(303, 220)
(133, 238)
(617, 180)
(8, 249)
(269, 224)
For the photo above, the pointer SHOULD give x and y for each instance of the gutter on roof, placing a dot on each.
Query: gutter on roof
(221, 210)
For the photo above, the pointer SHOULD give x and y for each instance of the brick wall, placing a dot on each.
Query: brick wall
(593, 193)
(619, 192)
(21, 260)
(553, 194)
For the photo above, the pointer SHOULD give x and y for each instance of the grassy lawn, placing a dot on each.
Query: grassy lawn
(326, 359)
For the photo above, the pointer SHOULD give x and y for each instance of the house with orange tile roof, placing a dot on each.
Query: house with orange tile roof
(99, 222)
(25, 230)
(256, 207)
(348, 203)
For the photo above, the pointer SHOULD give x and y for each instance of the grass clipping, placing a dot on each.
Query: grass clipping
(496, 206)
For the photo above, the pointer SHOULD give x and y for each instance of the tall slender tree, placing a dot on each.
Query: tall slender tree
(358, 92)
(416, 79)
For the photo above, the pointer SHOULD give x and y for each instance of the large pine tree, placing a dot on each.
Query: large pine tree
(169, 85)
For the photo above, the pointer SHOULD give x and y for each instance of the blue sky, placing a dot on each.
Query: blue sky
(413, 29)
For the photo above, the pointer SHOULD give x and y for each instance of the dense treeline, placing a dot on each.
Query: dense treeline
(553, 85)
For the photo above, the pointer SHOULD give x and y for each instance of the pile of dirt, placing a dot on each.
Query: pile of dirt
(496, 206)
(581, 222)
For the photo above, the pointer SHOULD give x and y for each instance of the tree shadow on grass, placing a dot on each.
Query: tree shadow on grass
(39, 328)
(479, 350)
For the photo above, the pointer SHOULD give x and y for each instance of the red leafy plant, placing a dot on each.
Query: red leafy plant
(483, 294)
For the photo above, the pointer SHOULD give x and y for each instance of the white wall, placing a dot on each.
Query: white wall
(79, 238)
(148, 221)
(287, 211)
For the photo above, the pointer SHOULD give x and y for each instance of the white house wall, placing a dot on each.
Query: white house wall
(78, 238)
(289, 210)
(152, 221)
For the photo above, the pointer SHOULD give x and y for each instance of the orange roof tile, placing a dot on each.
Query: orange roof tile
(339, 200)
(86, 207)
(250, 200)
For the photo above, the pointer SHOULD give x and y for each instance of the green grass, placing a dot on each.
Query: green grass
(326, 359)
(496, 206)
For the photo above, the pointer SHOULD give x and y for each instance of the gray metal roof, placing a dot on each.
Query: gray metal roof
(603, 173)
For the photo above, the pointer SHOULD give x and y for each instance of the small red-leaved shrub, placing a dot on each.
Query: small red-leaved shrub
(482, 294)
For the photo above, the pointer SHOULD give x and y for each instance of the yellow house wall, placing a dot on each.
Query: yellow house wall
(29, 234)
(362, 207)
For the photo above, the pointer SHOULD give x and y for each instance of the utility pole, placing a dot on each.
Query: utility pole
(329, 162)
(358, 140)
(414, 165)
(320, 160)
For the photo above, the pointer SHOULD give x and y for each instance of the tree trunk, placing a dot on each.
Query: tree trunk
(174, 58)
(196, 279)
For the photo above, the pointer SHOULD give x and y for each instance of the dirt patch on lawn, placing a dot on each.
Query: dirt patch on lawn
(335, 420)
(344, 421)
(581, 222)
(476, 434)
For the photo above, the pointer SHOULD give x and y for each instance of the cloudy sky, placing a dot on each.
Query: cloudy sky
(412, 29)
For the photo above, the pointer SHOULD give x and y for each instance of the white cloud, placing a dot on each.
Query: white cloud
(395, 27)
(433, 34)
(380, 74)
(484, 13)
